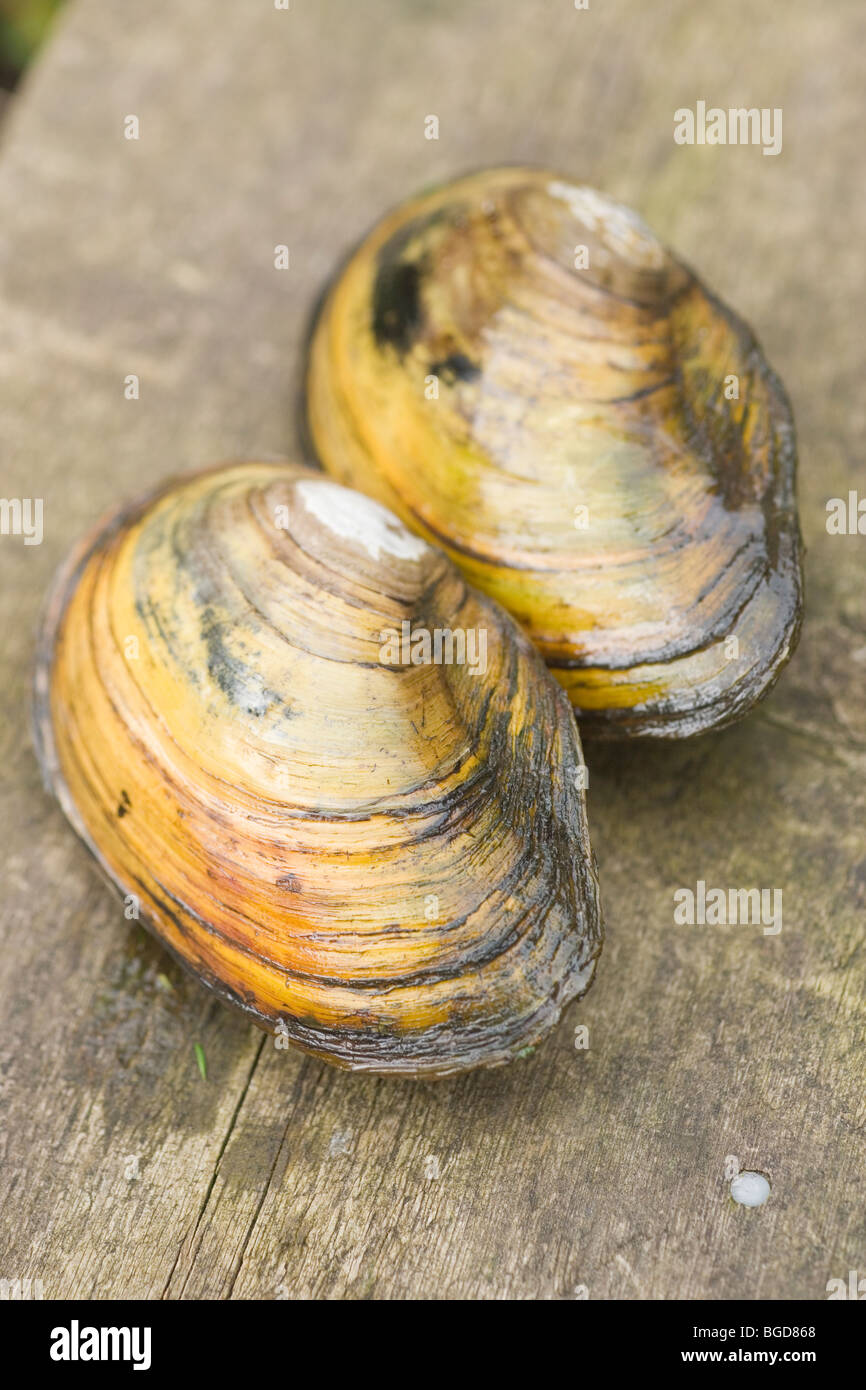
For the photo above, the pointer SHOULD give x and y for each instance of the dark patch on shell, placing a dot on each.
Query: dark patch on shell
(456, 367)
(397, 305)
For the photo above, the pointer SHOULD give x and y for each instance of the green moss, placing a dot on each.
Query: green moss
(24, 25)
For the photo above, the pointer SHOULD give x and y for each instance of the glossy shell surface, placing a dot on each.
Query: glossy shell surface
(385, 860)
(516, 366)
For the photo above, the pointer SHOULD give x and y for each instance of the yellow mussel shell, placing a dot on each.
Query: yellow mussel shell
(518, 368)
(380, 853)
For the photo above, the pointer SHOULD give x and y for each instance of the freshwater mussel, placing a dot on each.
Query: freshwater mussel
(518, 367)
(375, 846)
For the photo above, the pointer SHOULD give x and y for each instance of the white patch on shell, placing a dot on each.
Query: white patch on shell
(359, 519)
(622, 231)
(750, 1189)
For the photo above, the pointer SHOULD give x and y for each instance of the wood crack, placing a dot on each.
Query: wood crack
(189, 1239)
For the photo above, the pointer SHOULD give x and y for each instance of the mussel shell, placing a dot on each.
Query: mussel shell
(581, 462)
(388, 863)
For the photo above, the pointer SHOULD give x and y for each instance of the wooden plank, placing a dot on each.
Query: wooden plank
(276, 1176)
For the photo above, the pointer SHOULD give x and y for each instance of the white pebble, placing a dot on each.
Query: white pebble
(750, 1189)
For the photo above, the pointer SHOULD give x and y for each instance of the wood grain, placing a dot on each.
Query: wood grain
(603, 1168)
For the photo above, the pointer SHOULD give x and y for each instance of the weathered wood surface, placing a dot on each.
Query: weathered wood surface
(278, 1177)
